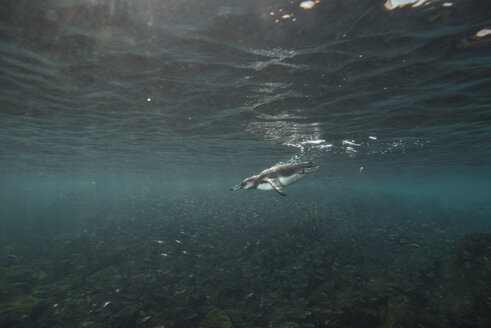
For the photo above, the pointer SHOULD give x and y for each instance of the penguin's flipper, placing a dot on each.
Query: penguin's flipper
(276, 184)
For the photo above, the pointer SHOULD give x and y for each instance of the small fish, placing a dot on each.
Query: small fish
(143, 320)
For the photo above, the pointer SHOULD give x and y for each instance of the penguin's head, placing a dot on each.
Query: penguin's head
(246, 184)
(310, 167)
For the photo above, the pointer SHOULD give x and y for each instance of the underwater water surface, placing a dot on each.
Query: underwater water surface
(124, 124)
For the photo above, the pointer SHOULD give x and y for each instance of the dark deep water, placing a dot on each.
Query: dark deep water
(125, 123)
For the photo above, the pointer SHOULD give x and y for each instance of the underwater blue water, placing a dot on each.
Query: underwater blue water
(223, 89)
(163, 105)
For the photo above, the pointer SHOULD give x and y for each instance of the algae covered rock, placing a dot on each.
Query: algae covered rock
(474, 253)
(463, 297)
(24, 304)
(399, 312)
(216, 318)
(24, 273)
(289, 324)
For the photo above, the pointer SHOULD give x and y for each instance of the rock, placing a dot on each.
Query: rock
(463, 297)
(216, 318)
(475, 251)
(289, 324)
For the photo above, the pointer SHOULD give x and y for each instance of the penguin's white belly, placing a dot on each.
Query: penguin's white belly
(264, 186)
(286, 181)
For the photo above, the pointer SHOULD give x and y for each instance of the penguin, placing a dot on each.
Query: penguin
(278, 177)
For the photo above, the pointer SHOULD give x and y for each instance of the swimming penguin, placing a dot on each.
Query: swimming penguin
(278, 177)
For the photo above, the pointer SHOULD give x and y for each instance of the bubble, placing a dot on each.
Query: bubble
(307, 4)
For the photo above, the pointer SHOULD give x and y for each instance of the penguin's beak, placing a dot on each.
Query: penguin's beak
(237, 187)
(312, 169)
